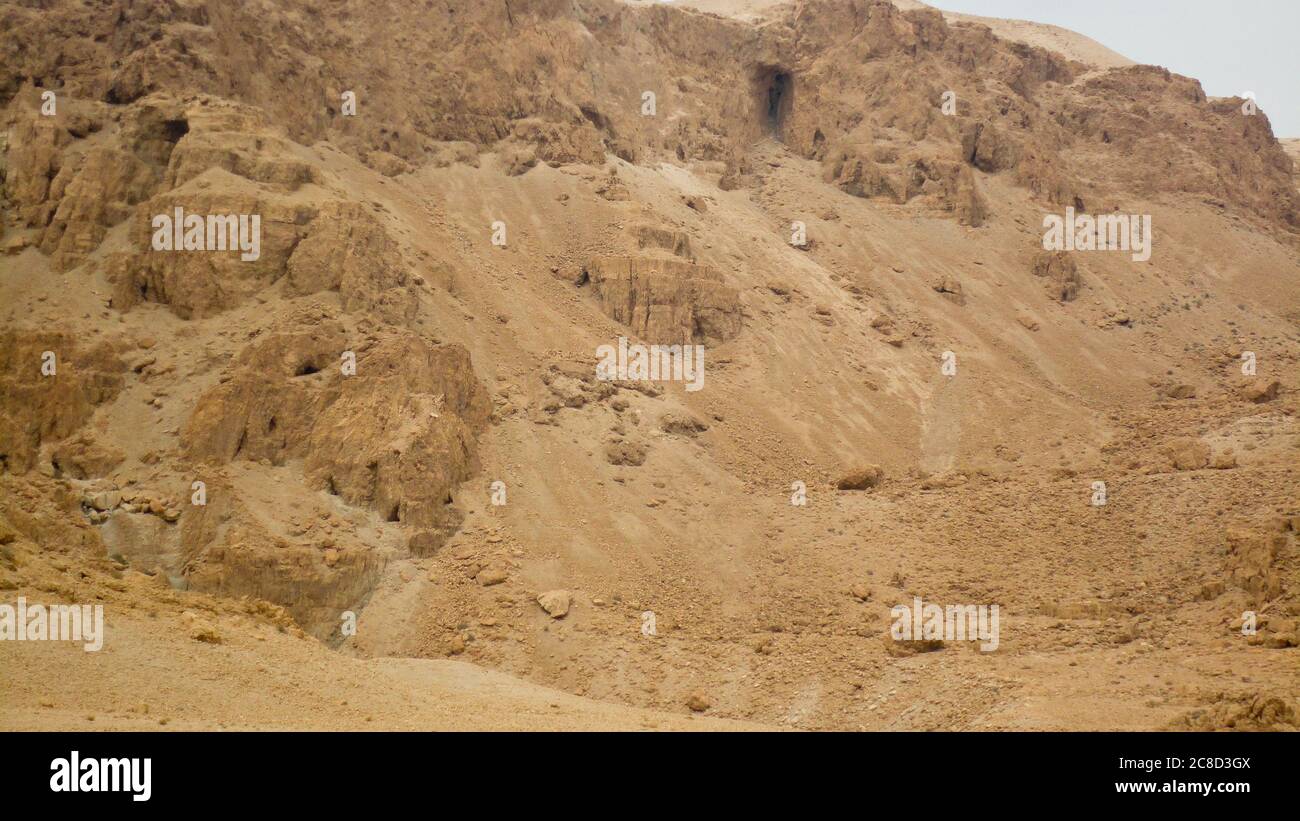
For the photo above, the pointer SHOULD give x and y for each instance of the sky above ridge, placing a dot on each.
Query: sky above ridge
(1231, 46)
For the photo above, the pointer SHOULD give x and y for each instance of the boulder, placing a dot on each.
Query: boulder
(862, 478)
(1260, 390)
(1188, 454)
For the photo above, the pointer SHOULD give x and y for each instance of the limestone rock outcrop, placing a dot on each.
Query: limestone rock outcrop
(665, 302)
(397, 436)
(36, 408)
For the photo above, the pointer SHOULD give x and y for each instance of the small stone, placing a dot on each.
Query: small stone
(106, 500)
(15, 245)
(1188, 454)
(489, 576)
(200, 629)
(556, 603)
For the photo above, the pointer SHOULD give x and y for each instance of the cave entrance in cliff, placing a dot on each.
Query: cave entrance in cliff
(775, 88)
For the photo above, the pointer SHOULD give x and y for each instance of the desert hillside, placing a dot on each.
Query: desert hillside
(389, 416)
(1069, 44)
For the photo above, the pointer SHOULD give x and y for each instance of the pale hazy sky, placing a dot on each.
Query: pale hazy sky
(1231, 46)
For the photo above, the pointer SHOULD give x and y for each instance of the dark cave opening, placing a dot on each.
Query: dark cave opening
(173, 130)
(776, 98)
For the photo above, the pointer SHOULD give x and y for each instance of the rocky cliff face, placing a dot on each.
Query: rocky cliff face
(663, 301)
(53, 382)
(559, 82)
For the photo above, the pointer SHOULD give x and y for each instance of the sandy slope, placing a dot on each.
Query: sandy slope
(1083, 650)
(261, 679)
